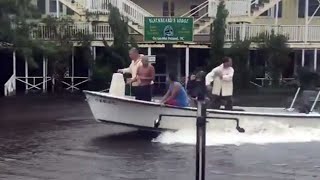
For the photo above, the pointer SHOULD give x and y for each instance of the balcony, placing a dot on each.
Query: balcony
(295, 33)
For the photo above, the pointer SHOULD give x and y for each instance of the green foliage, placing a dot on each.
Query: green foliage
(217, 33)
(120, 30)
(59, 49)
(116, 56)
(239, 52)
(16, 17)
(276, 53)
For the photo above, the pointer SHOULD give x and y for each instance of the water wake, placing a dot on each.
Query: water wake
(256, 133)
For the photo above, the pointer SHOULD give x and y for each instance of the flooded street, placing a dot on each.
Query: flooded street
(56, 138)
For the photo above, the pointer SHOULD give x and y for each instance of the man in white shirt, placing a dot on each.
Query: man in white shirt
(132, 69)
(222, 78)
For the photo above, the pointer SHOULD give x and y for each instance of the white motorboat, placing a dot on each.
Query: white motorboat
(126, 111)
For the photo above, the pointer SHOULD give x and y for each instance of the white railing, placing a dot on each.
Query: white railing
(295, 33)
(72, 83)
(98, 6)
(40, 83)
(236, 8)
(134, 12)
(35, 82)
(198, 12)
(10, 86)
(99, 31)
(126, 7)
(102, 31)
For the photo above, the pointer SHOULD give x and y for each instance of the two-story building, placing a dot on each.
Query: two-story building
(297, 19)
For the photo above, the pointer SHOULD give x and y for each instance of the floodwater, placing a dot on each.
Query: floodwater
(55, 138)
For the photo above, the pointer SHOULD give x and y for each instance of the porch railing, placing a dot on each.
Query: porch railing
(10, 86)
(35, 82)
(39, 83)
(295, 33)
(127, 8)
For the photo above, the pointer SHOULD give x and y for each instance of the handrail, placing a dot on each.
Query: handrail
(315, 101)
(137, 15)
(254, 2)
(158, 121)
(10, 85)
(197, 7)
(198, 19)
(294, 100)
(139, 8)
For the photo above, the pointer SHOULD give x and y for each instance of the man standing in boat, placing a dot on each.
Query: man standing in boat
(222, 78)
(145, 76)
(132, 69)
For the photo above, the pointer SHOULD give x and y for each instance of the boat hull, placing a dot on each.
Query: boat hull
(143, 115)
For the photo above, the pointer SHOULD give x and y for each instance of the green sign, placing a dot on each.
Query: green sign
(168, 29)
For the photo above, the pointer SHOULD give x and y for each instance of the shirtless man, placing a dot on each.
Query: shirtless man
(144, 79)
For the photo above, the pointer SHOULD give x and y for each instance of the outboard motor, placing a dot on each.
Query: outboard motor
(117, 87)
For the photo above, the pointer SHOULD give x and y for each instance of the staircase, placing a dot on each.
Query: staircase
(127, 8)
(240, 11)
(78, 6)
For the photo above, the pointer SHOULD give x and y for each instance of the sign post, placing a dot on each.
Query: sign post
(201, 126)
(168, 29)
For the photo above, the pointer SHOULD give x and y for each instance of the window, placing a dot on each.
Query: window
(53, 6)
(165, 8)
(41, 6)
(313, 5)
(279, 12)
(194, 10)
(273, 11)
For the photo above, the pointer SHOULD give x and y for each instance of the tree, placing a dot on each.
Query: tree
(59, 49)
(116, 56)
(239, 52)
(16, 19)
(276, 53)
(217, 35)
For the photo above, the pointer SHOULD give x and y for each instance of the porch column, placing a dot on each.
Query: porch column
(315, 59)
(72, 69)
(277, 14)
(295, 62)
(243, 31)
(58, 8)
(44, 74)
(47, 7)
(26, 73)
(149, 51)
(94, 57)
(187, 65)
(306, 18)
(14, 70)
(303, 57)
(249, 7)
